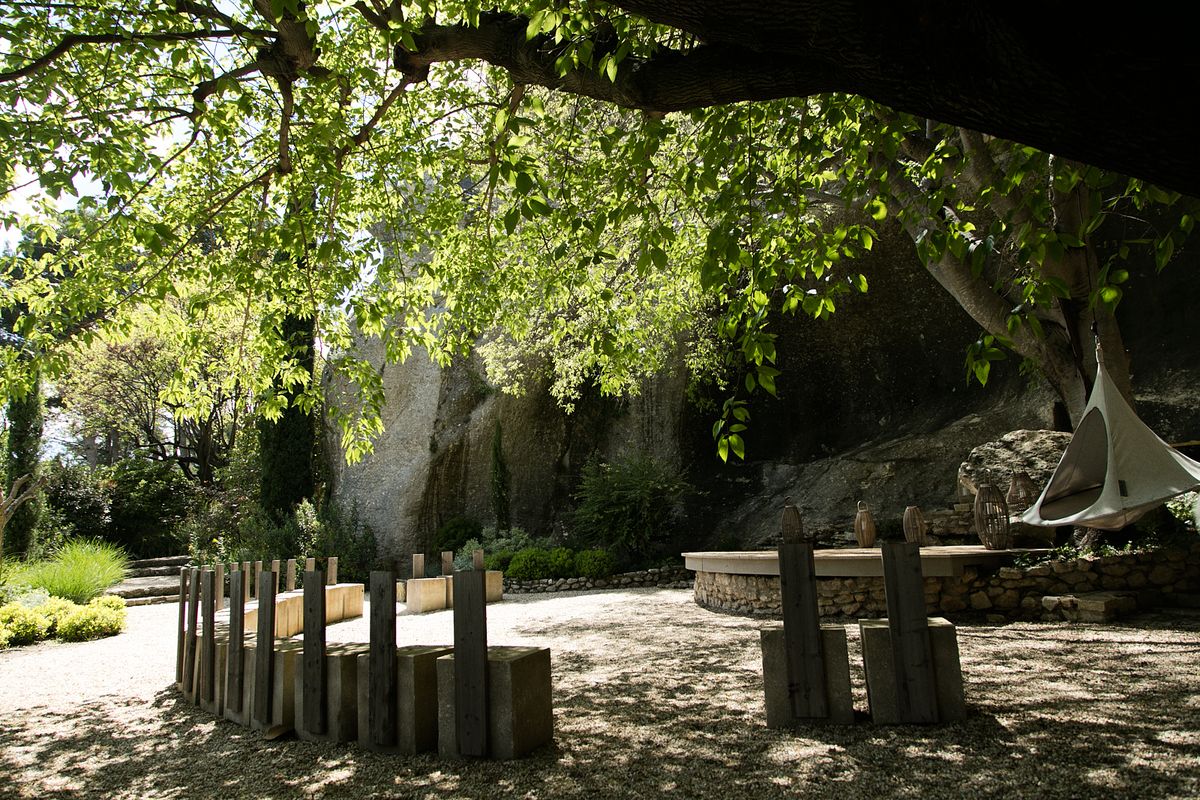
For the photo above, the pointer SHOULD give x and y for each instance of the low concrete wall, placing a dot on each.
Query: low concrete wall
(666, 578)
(1004, 593)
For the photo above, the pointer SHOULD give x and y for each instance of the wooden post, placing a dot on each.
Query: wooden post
(290, 584)
(310, 564)
(477, 559)
(278, 575)
(331, 570)
(247, 583)
(189, 655)
(220, 597)
(234, 666)
(313, 675)
(181, 640)
(208, 642)
(258, 571)
(381, 687)
(418, 564)
(908, 623)
(447, 563)
(802, 631)
(264, 662)
(470, 664)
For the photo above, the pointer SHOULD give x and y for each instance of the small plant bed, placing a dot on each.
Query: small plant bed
(35, 616)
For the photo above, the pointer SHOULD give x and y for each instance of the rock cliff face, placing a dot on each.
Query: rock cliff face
(872, 405)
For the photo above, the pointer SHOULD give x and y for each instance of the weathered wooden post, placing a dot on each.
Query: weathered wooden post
(801, 619)
(208, 642)
(290, 584)
(313, 680)
(447, 563)
(258, 571)
(310, 564)
(470, 664)
(277, 573)
(189, 655)
(264, 660)
(908, 624)
(247, 583)
(234, 663)
(381, 668)
(181, 639)
(331, 567)
(220, 570)
(418, 565)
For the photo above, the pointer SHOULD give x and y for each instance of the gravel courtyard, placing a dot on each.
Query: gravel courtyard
(654, 697)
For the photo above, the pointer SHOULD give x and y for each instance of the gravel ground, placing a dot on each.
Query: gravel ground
(654, 697)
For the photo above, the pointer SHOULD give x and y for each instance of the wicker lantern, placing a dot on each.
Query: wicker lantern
(792, 526)
(864, 526)
(1021, 493)
(991, 518)
(914, 526)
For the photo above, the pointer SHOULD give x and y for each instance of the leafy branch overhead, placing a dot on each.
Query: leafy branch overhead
(580, 190)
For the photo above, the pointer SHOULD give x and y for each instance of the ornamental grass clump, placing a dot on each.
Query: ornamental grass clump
(79, 571)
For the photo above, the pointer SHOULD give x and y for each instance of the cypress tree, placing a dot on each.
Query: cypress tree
(21, 457)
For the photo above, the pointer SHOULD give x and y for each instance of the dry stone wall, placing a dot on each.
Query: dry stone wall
(1033, 592)
(665, 578)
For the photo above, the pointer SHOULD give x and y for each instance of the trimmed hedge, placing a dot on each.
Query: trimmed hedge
(537, 563)
(21, 624)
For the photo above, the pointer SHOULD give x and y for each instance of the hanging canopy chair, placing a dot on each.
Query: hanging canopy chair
(1115, 468)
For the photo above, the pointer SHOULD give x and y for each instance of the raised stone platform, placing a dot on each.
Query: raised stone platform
(855, 562)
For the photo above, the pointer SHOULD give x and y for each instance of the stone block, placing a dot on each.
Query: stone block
(401, 591)
(416, 700)
(1105, 606)
(520, 708)
(425, 594)
(881, 675)
(341, 696)
(352, 607)
(449, 581)
(493, 586)
(241, 717)
(838, 697)
(334, 604)
(288, 657)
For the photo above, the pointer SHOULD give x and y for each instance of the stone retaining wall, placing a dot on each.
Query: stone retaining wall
(1007, 593)
(665, 578)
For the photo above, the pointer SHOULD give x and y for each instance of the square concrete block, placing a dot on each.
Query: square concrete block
(283, 695)
(425, 594)
(416, 700)
(838, 698)
(520, 707)
(352, 601)
(881, 675)
(493, 586)
(341, 698)
(334, 604)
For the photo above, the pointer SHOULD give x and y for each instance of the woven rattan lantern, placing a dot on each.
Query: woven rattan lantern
(864, 526)
(914, 526)
(1021, 493)
(991, 518)
(792, 526)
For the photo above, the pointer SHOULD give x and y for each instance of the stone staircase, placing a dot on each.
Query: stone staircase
(151, 580)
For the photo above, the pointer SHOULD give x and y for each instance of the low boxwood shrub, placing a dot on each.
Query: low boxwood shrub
(103, 616)
(21, 626)
(562, 563)
(499, 560)
(594, 564)
(530, 564)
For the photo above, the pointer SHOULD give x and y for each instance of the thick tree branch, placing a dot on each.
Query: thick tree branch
(670, 81)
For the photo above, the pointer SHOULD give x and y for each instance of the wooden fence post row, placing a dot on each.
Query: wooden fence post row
(234, 665)
(181, 639)
(189, 655)
(208, 642)
(802, 631)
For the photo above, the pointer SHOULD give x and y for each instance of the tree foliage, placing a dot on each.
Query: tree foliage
(426, 176)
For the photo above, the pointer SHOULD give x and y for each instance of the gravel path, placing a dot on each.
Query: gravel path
(654, 697)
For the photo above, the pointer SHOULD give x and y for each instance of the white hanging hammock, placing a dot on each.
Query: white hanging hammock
(1115, 468)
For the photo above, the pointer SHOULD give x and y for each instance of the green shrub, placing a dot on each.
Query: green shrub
(22, 625)
(562, 563)
(101, 617)
(498, 560)
(530, 564)
(455, 532)
(594, 564)
(79, 571)
(627, 505)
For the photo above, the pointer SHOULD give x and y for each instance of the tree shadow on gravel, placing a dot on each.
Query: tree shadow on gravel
(674, 711)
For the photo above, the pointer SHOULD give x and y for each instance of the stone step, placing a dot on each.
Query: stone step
(150, 572)
(151, 601)
(1091, 606)
(165, 561)
(152, 586)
